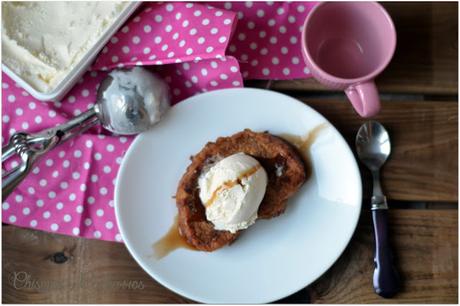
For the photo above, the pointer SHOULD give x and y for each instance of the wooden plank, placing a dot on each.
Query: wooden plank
(425, 243)
(426, 57)
(426, 246)
(93, 272)
(424, 162)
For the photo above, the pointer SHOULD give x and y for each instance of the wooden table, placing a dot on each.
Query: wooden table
(419, 96)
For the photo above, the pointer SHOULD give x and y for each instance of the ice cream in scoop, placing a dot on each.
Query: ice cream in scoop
(232, 190)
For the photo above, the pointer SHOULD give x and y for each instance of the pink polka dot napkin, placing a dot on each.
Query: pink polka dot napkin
(195, 47)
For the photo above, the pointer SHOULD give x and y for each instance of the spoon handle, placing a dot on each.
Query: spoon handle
(386, 278)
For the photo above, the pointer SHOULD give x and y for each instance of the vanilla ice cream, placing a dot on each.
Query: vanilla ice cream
(42, 41)
(231, 191)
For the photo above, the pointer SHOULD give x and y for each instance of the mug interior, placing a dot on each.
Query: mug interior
(350, 40)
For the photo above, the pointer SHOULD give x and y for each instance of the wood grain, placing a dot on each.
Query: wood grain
(426, 245)
(424, 162)
(94, 271)
(425, 241)
(426, 57)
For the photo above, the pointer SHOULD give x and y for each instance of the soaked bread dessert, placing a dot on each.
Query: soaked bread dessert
(285, 171)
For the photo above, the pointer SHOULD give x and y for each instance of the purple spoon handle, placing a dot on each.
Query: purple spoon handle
(386, 279)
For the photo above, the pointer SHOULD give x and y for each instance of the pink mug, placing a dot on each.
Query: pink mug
(346, 45)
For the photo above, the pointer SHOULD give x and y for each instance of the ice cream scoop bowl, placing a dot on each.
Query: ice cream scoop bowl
(128, 102)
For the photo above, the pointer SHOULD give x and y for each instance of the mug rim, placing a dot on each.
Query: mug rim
(350, 81)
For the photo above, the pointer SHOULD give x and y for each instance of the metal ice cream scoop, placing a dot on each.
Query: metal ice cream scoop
(128, 102)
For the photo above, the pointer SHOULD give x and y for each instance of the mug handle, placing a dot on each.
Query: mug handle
(365, 98)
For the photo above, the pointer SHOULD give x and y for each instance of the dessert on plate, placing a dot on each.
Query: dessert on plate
(233, 181)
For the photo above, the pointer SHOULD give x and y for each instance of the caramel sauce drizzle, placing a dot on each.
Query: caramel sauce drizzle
(230, 184)
(171, 241)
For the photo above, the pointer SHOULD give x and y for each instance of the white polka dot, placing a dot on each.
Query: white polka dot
(273, 40)
(275, 60)
(194, 79)
(97, 234)
(88, 221)
(94, 178)
(72, 197)
(43, 182)
(86, 165)
(147, 50)
(164, 47)
(291, 19)
(40, 203)
(66, 164)
(136, 40)
(219, 13)
(79, 209)
(205, 22)
(185, 23)
(67, 218)
(204, 72)
(100, 212)
(282, 29)
(286, 71)
(97, 156)
(280, 11)
(85, 92)
(271, 22)
(236, 83)
(76, 231)
(169, 7)
(107, 169)
(103, 191)
(33, 223)
(158, 18)
(209, 49)
(54, 227)
(178, 16)
(25, 125)
(214, 83)
(118, 237)
(46, 214)
(111, 203)
(244, 57)
(254, 62)
(12, 218)
(265, 71)
(109, 224)
(175, 36)
(114, 40)
(197, 13)
(168, 28)
(227, 22)
(228, 5)
(264, 51)
(293, 40)
(223, 76)
(5, 206)
(55, 173)
(300, 8)
(11, 98)
(306, 71)
(6, 118)
(38, 119)
(31, 190)
(49, 162)
(75, 175)
(125, 29)
(51, 194)
(18, 198)
(137, 19)
(52, 114)
(295, 60)
(19, 111)
(5, 85)
(214, 31)
(253, 46)
(83, 187)
(91, 200)
(284, 50)
(64, 185)
(59, 206)
(110, 147)
(147, 29)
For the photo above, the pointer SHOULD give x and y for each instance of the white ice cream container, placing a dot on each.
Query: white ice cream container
(81, 67)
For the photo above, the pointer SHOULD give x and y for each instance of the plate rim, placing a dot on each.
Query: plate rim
(190, 296)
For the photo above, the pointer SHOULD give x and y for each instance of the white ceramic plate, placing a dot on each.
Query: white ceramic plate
(272, 259)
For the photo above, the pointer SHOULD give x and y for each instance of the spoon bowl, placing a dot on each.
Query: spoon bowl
(373, 144)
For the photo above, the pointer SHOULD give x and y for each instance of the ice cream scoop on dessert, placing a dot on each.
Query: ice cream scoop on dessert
(234, 181)
(232, 190)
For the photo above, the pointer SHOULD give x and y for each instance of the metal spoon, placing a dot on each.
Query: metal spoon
(373, 147)
(128, 102)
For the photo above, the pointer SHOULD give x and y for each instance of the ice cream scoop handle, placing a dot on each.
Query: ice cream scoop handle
(386, 279)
